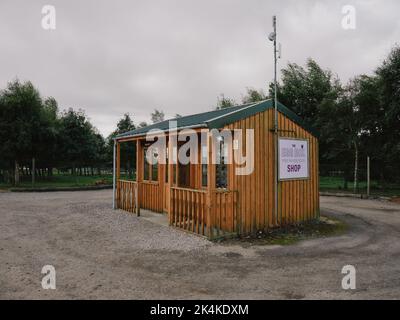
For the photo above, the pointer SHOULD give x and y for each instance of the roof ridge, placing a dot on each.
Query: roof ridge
(244, 107)
(185, 117)
(210, 111)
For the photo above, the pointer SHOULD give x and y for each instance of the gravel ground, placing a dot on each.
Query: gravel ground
(101, 253)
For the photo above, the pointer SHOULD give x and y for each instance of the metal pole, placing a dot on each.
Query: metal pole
(368, 176)
(33, 170)
(276, 122)
(114, 173)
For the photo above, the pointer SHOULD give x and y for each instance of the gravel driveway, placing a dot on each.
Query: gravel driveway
(101, 253)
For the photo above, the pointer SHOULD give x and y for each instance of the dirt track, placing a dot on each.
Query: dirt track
(101, 253)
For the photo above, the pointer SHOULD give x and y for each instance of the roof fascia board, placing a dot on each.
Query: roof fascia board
(202, 125)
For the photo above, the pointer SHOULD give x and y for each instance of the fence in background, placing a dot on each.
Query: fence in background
(368, 181)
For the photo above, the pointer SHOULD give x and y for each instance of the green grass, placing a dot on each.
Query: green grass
(330, 184)
(336, 184)
(63, 181)
(320, 228)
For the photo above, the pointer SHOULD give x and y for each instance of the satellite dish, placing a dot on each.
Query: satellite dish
(272, 36)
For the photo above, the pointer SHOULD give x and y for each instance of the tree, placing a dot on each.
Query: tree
(127, 150)
(20, 124)
(76, 139)
(35, 137)
(306, 91)
(50, 107)
(157, 116)
(223, 102)
(100, 151)
(253, 95)
(45, 148)
(388, 80)
(348, 126)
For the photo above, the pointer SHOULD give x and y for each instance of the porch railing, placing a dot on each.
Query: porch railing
(151, 196)
(223, 217)
(126, 195)
(189, 210)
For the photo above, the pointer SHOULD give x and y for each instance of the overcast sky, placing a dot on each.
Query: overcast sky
(112, 57)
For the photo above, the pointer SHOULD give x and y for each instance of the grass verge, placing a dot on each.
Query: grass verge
(62, 181)
(335, 184)
(324, 227)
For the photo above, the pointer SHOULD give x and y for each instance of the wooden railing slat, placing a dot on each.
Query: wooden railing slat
(125, 195)
(187, 206)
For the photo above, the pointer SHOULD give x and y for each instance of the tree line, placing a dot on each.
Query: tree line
(36, 137)
(353, 120)
(357, 119)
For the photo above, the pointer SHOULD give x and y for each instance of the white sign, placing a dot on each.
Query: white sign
(292, 159)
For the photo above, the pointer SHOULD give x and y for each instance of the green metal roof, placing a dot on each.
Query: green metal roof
(218, 118)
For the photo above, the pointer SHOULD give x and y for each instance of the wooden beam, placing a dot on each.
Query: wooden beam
(170, 177)
(118, 160)
(139, 176)
(117, 173)
(210, 183)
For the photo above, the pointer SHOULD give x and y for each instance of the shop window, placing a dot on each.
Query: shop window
(204, 166)
(146, 173)
(221, 167)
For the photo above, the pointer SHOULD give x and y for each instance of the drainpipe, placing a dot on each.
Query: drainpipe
(114, 175)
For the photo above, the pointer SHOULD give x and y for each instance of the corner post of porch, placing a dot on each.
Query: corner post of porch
(210, 183)
(114, 204)
(170, 178)
(117, 171)
(139, 176)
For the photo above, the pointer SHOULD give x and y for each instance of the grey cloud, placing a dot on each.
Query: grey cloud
(111, 57)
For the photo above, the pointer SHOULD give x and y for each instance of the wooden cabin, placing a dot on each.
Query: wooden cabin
(211, 199)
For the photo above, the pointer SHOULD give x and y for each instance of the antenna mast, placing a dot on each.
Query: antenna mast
(272, 37)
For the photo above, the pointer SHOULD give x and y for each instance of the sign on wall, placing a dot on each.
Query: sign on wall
(292, 159)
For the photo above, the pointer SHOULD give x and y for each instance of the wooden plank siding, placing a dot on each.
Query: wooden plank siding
(247, 204)
(298, 199)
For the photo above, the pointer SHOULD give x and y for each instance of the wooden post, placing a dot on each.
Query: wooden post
(355, 186)
(16, 173)
(176, 164)
(368, 176)
(231, 182)
(161, 177)
(170, 177)
(210, 183)
(118, 160)
(114, 175)
(139, 174)
(33, 170)
(118, 172)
